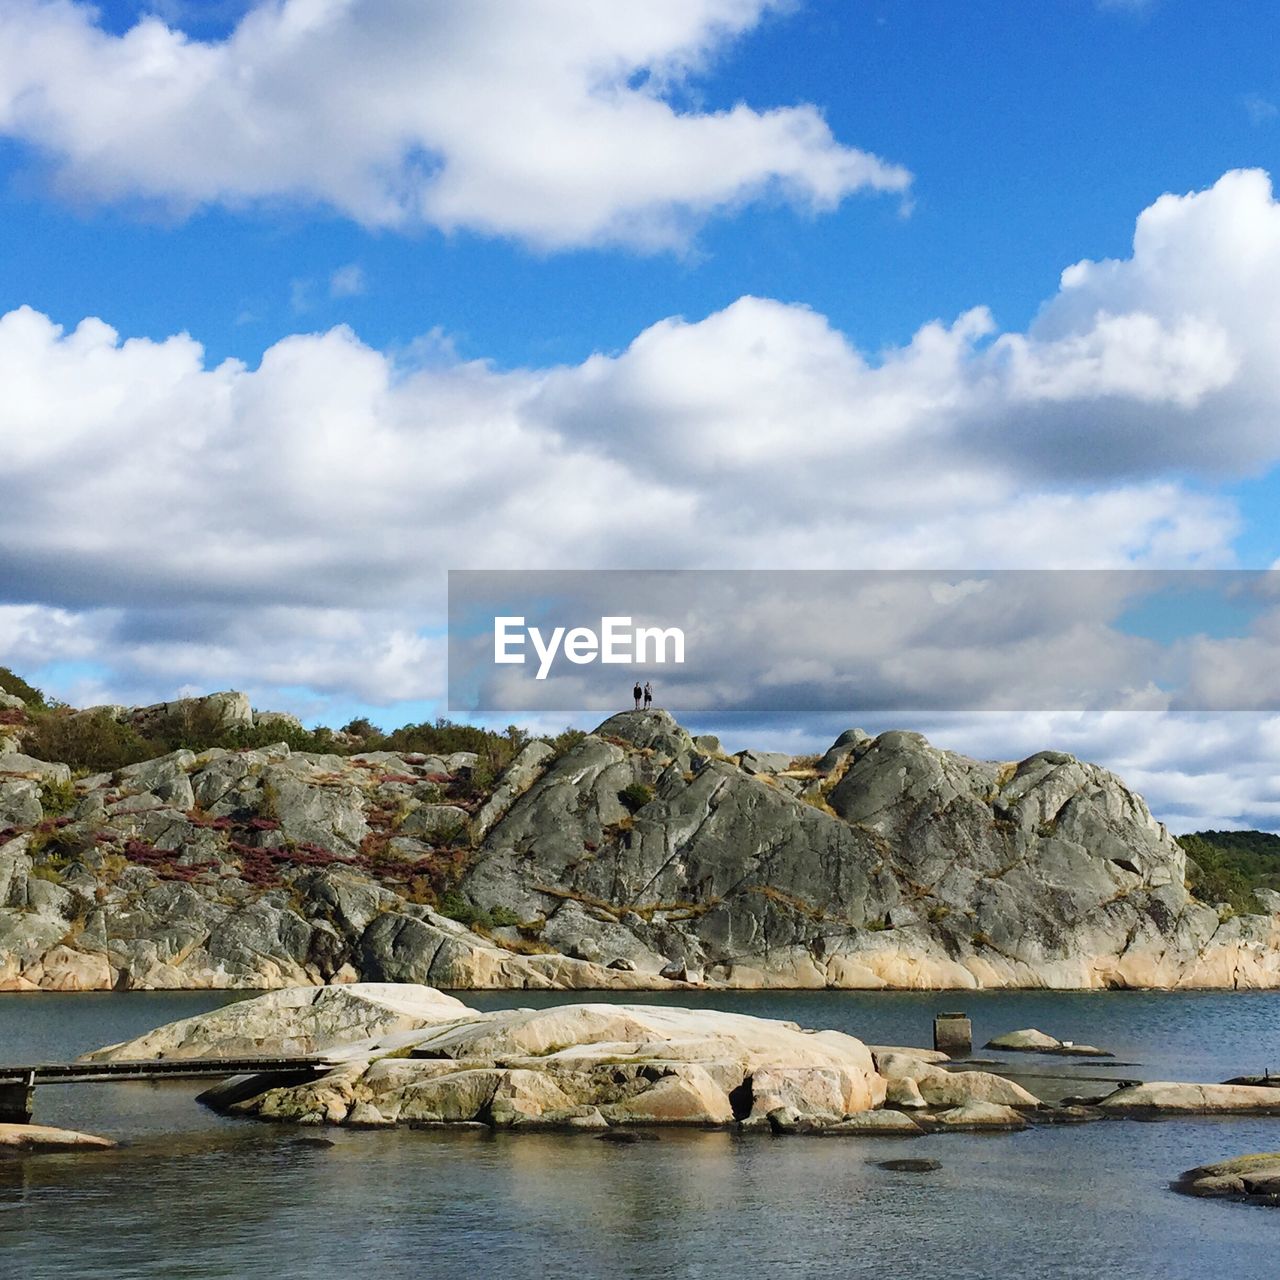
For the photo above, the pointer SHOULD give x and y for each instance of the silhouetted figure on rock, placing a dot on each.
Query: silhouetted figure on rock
(636, 694)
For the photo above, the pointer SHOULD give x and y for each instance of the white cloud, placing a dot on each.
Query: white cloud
(1126, 6)
(288, 525)
(553, 121)
(348, 282)
(1260, 110)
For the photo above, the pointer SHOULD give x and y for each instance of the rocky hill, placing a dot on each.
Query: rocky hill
(635, 857)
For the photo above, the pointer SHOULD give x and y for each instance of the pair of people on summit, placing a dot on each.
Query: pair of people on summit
(646, 693)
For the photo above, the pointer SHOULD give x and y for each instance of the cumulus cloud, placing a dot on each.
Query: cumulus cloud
(558, 122)
(287, 526)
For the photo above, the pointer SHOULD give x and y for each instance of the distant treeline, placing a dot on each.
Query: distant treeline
(49, 730)
(1227, 866)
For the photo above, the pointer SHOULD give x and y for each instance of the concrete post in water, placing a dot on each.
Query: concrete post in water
(953, 1034)
(17, 1100)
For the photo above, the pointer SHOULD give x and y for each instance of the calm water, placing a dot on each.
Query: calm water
(195, 1195)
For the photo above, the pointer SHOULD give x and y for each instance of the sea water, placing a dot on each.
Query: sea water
(193, 1194)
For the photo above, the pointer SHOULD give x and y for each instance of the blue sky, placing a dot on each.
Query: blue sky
(1035, 134)
(710, 283)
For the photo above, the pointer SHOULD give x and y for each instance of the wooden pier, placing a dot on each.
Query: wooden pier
(18, 1083)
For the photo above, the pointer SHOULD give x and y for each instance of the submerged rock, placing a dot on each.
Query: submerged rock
(980, 1117)
(31, 1139)
(1028, 1041)
(877, 1123)
(1033, 1041)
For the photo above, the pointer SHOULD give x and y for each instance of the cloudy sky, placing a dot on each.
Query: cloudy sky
(305, 302)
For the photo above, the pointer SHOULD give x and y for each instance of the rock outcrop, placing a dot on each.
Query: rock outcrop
(1253, 1179)
(588, 1066)
(635, 853)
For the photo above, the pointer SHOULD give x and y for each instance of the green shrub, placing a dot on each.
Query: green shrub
(455, 907)
(11, 682)
(93, 742)
(201, 733)
(478, 782)
(635, 795)
(363, 728)
(57, 797)
(444, 737)
(566, 741)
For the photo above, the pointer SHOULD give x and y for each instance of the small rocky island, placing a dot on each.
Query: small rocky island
(373, 1055)
(633, 857)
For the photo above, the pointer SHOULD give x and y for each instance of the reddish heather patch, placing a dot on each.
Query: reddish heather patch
(164, 862)
(211, 824)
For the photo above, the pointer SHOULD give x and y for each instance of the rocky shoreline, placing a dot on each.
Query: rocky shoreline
(635, 858)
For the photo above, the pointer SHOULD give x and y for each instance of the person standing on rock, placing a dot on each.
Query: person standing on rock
(648, 694)
(636, 694)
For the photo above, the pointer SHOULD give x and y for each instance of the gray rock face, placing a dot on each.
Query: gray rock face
(520, 775)
(276, 720)
(311, 810)
(214, 711)
(19, 802)
(907, 866)
(654, 731)
(430, 821)
(16, 765)
(635, 853)
(752, 762)
(166, 779)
